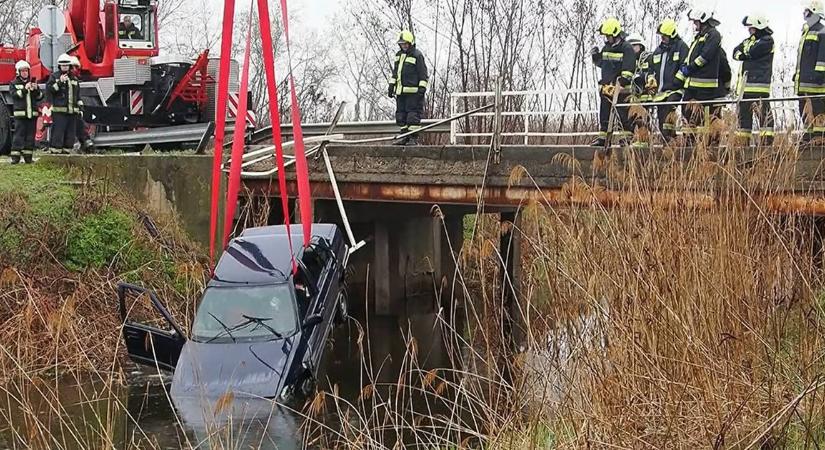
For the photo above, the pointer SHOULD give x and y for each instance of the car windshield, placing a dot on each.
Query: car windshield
(228, 314)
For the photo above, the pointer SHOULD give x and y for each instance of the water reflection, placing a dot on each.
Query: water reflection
(94, 413)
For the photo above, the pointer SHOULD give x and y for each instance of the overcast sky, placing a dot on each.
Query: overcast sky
(313, 18)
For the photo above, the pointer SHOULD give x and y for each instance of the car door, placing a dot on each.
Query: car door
(323, 305)
(155, 341)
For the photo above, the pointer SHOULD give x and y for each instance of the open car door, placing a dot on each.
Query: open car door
(155, 341)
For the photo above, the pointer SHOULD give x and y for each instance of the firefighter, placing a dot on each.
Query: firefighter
(127, 30)
(702, 72)
(756, 54)
(617, 62)
(640, 117)
(408, 84)
(86, 143)
(809, 79)
(662, 84)
(64, 94)
(25, 94)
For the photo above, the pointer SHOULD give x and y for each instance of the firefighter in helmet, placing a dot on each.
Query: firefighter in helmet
(809, 78)
(661, 78)
(702, 73)
(640, 116)
(408, 84)
(617, 62)
(756, 54)
(63, 91)
(83, 138)
(25, 94)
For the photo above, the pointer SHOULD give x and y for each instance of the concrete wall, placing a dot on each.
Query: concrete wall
(170, 185)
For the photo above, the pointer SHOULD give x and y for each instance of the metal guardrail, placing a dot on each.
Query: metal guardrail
(370, 128)
(534, 106)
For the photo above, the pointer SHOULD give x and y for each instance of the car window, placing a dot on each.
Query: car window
(314, 260)
(245, 313)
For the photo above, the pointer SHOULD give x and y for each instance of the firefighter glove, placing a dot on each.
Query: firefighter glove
(685, 70)
(594, 51)
(608, 90)
(651, 86)
(391, 91)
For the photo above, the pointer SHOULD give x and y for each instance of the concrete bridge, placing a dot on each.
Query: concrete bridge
(390, 191)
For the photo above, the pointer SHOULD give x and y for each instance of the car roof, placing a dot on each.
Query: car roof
(261, 254)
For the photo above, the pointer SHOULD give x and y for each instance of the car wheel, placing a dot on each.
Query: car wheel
(342, 312)
(308, 385)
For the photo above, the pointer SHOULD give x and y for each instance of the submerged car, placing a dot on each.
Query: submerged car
(260, 328)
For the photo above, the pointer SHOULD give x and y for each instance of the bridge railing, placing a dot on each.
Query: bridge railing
(565, 116)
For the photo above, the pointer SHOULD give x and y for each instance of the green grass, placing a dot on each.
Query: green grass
(34, 201)
(96, 240)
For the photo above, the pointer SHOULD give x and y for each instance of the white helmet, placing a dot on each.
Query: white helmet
(815, 6)
(64, 60)
(703, 16)
(75, 61)
(21, 65)
(757, 21)
(635, 39)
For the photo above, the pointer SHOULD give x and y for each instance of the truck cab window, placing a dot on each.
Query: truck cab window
(135, 28)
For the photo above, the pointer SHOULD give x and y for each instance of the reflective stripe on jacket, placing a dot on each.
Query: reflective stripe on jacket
(704, 61)
(409, 73)
(809, 77)
(664, 65)
(618, 63)
(756, 54)
(24, 101)
(63, 96)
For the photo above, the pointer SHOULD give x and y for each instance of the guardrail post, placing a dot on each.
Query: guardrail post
(453, 124)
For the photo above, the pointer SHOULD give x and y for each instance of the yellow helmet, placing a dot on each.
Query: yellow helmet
(668, 28)
(406, 36)
(611, 27)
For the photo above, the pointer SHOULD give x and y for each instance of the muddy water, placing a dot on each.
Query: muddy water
(89, 414)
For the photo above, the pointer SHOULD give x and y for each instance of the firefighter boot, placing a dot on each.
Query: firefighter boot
(15, 156)
(27, 156)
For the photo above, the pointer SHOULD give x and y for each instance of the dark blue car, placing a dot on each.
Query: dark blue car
(260, 329)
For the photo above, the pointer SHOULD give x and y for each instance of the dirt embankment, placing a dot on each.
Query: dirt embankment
(64, 246)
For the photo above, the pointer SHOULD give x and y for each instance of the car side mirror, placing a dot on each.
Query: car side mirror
(313, 320)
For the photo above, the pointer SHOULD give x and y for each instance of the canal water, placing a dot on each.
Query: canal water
(90, 412)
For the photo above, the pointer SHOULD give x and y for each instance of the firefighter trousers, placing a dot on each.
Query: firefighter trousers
(622, 113)
(64, 131)
(698, 117)
(409, 109)
(762, 111)
(812, 111)
(667, 117)
(22, 143)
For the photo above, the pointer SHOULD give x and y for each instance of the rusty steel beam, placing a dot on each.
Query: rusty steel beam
(812, 204)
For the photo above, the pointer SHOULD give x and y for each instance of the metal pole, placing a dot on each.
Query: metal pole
(354, 246)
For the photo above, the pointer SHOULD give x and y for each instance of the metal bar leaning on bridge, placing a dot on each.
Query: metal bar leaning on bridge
(410, 133)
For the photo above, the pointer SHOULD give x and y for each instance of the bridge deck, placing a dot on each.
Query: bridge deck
(784, 180)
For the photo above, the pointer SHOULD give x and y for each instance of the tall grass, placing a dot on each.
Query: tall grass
(654, 325)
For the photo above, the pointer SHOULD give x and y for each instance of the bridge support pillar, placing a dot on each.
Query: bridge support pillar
(510, 248)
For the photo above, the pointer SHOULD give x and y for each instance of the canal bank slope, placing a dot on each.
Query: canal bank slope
(65, 243)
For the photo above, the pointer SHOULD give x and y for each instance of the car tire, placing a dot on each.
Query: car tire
(342, 311)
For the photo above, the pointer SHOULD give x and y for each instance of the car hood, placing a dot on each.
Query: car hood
(250, 369)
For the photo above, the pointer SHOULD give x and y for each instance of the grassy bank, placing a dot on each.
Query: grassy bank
(64, 245)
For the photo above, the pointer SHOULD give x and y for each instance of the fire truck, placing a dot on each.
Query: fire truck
(126, 85)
